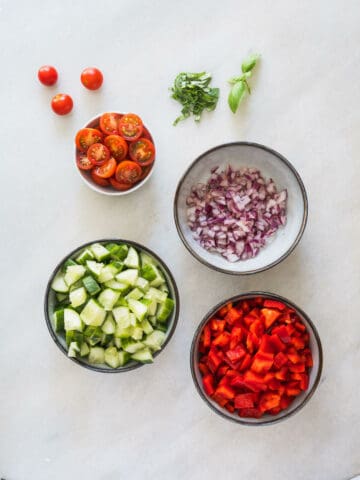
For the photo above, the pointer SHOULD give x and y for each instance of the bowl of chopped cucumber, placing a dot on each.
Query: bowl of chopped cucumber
(111, 305)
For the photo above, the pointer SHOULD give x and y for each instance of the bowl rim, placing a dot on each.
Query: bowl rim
(98, 188)
(309, 393)
(287, 164)
(94, 367)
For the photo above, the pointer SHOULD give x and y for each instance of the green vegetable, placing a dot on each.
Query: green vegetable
(193, 92)
(240, 84)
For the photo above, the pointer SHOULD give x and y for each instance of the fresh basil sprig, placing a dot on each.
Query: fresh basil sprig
(239, 85)
(193, 92)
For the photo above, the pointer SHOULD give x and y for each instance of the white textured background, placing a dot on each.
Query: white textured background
(60, 421)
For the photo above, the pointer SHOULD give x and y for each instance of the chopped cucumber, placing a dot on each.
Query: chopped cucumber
(91, 285)
(129, 276)
(74, 349)
(94, 267)
(132, 259)
(84, 256)
(78, 297)
(96, 355)
(155, 340)
(138, 308)
(165, 310)
(112, 305)
(108, 298)
(100, 252)
(93, 314)
(109, 325)
(73, 274)
(58, 317)
(143, 356)
(72, 320)
(111, 356)
(58, 284)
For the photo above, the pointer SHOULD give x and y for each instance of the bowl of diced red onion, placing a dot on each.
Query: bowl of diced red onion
(240, 208)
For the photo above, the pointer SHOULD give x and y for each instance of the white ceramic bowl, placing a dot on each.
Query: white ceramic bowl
(272, 165)
(110, 190)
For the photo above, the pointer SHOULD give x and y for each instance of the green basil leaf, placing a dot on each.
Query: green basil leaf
(249, 63)
(236, 94)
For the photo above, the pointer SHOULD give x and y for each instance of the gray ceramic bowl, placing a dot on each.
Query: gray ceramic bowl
(93, 123)
(299, 402)
(272, 165)
(49, 304)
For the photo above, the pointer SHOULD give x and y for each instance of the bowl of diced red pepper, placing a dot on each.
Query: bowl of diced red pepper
(256, 358)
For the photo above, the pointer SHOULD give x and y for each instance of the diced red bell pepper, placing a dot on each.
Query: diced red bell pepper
(282, 333)
(297, 368)
(257, 327)
(262, 362)
(292, 391)
(236, 354)
(254, 382)
(220, 400)
(274, 304)
(213, 360)
(268, 401)
(203, 368)
(244, 400)
(274, 384)
(250, 413)
(300, 326)
(208, 383)
(252, 342)
(245, 363)
(230, 407)
(285, 318)
(282, 374)
(270, 316)
(225, 391)
(223, 311)
(275, 411)
(304, 381)
(235, 337)
(280, 360)
(285, 402)
(232, 316)
(298, 343)
(222, 370)
(221, 340)
(250, 317)
(207, 336)
(245, 305)
(217, 325)
(290, 329)
(294, 357)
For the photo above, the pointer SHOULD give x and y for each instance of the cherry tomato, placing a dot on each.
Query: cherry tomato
(145, 172)
(109, 123)
(83, 162)
(107, 169)
(118, 185)
(128, 172)
(47, 75)
(146, 134)
(62, 104)
(103, 182)
(98, 154)
(92, 78)
(130, 126)
(87, 137)
(117, 146)
(142, 151)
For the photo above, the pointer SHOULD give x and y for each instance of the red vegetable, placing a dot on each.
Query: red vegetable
(254, 357)
(47, 75)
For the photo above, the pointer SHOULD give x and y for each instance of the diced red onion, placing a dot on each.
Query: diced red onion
(235, 212)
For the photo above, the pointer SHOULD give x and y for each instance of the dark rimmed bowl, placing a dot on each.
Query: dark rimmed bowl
(109, 190)
(299, 402)
(49, 302)
(272, 165)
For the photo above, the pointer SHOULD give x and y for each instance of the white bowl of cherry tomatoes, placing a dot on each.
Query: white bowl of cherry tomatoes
(115, 153)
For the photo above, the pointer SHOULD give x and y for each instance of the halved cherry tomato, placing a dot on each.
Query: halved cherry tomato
(142, 151)
(106, 170)
(91, 78)
(146, 134)
(117, 146)
(87, 137)
(103, 182)
(109, 123)
(118, 185)
(98, 154)
(130, 126)
(145, 172)
(83, 162)
(62, 104)
(128, 172)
